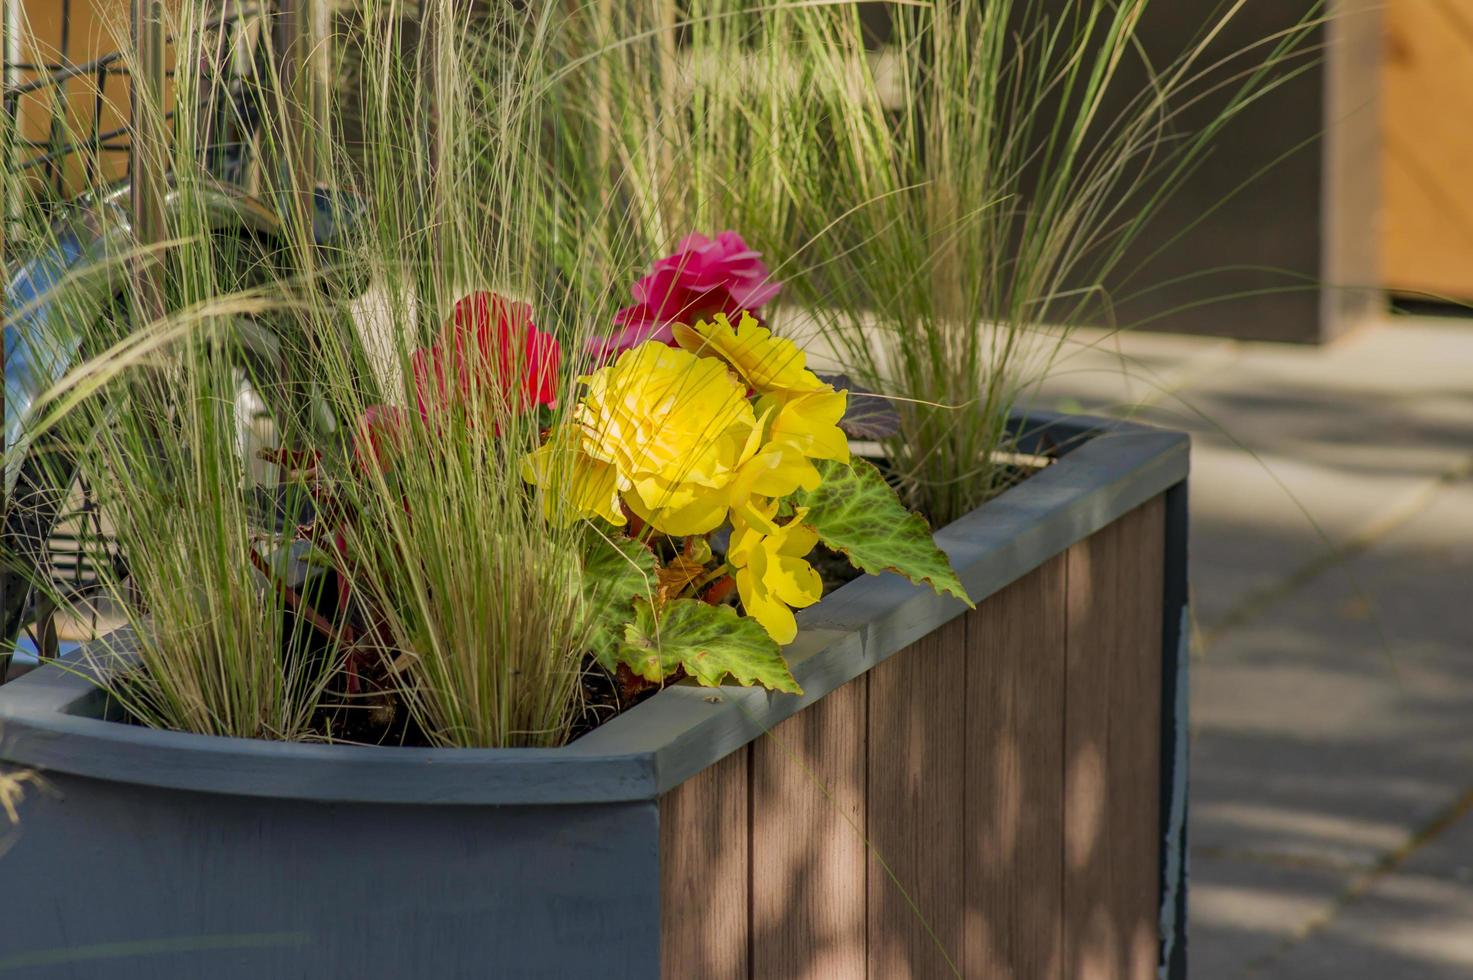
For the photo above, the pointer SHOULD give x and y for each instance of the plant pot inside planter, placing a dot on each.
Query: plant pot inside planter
(976, 793)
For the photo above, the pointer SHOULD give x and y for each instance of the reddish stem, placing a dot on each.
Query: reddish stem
(720, 590)
(345, 638)
(636, 524)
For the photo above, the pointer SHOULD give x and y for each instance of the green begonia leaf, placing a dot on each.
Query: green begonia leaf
(615, 572)
(857, 513)
(710, 642)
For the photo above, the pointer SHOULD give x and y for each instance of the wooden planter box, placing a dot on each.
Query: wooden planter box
(989, 793)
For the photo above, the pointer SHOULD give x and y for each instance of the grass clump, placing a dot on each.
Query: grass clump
(306, 594)
(992, 173)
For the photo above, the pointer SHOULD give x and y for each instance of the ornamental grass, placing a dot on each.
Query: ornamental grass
(523, 440)
(989, 181)
(431, 509)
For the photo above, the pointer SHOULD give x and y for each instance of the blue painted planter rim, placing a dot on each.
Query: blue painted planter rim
(50, 719)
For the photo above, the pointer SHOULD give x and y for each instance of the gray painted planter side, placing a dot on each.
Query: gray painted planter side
(50, 716)
(129, 882)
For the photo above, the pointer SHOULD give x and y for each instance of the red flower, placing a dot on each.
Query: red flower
(510, 362)
(704, 277)
(498, 359)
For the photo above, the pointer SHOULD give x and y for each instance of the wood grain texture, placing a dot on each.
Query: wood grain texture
(1111, 763)
(1427, 147)
(808, 854)
(916, 799)
(1014, 782)
(1005, 771)
(704, 874)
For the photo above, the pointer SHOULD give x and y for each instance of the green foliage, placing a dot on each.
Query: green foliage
(616, 571)
(857, 513)
(710, 642)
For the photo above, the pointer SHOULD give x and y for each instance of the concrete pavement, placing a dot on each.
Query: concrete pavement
(1332, 689)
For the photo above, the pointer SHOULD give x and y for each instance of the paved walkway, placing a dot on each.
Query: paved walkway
(1332, 690)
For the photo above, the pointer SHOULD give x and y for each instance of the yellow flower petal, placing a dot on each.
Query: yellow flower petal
(747, 530)
(766, 363)
(771, 574)
(700, 515)
(574, 484)
(809, 422)
(794, 581)
(675, 427)
(797, 539)
(776, 471)
(760, 605)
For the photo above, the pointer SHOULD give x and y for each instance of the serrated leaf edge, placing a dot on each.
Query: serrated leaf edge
(685, 662)
(953, 588)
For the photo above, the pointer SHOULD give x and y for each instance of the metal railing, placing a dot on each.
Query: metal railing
(28, 154)
(56, 148)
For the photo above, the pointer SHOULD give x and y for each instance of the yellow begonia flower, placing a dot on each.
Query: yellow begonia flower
(768, 364)
(674, 427)
(810, 423)
(676, 439)
(575, 484)
(795, 432)
(771, 574)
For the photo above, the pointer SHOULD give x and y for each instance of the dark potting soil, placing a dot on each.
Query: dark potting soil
(833, 568)
(605, 695)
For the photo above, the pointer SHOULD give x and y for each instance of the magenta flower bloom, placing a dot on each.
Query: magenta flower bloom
(704, 277)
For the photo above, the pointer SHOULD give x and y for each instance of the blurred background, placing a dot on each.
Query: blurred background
(1332, 551)
(1324, 365)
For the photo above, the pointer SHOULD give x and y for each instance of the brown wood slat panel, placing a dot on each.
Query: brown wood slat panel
(1111, 764)
(916, 797)
(704, 875)
(1427, 147)
(1014, 782)
(808, 851)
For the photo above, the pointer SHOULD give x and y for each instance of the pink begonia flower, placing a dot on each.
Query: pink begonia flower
(702, 278)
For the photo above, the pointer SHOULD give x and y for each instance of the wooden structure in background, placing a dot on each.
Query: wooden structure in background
(1427, 148)
(1274, 236)
(983, 803)
(53, 34)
